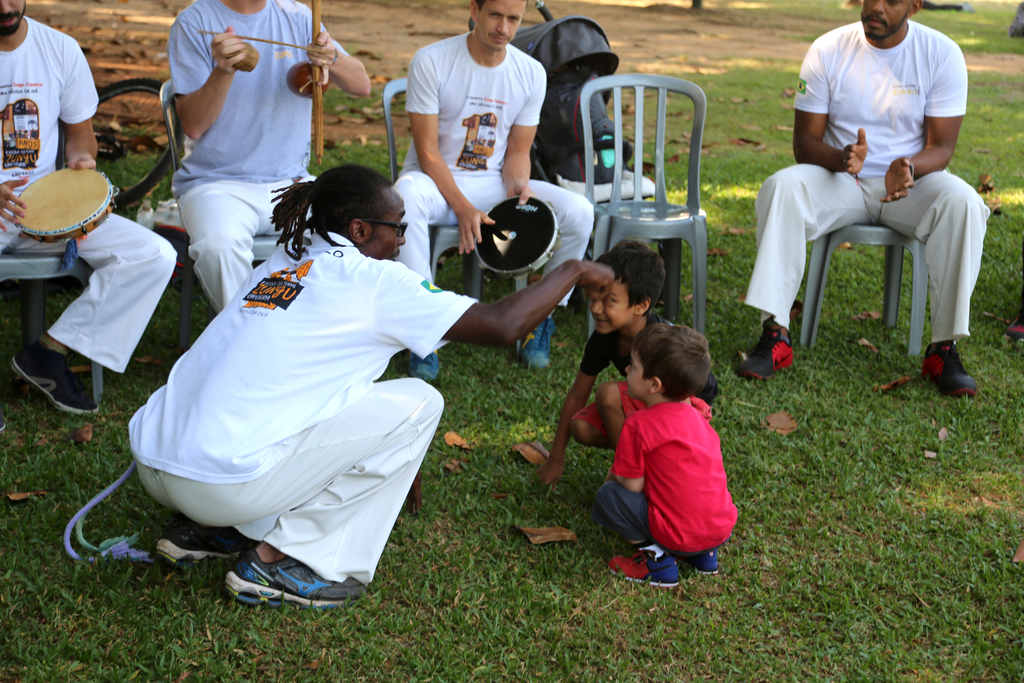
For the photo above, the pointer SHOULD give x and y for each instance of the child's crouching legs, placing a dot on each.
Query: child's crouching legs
(622, 511)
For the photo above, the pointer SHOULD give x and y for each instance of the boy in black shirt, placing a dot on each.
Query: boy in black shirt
(620, 312)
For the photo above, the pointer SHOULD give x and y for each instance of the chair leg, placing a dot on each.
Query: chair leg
(919, 298)
(472, 277)
(893, 279)
(188, 279)
(814, 291)
(672, 254)
(97, 382)
(33, 310)
(699, 247)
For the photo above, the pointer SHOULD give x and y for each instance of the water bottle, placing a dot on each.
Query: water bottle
(145, 215)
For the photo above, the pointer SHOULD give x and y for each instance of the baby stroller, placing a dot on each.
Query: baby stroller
(573, 50)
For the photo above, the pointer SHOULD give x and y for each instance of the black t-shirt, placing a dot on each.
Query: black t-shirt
(602, 350)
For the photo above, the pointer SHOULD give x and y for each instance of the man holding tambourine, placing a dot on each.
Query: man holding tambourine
(47, 85)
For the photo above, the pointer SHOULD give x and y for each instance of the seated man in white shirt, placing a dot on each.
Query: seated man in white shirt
(272, 426)
(46, 84)
(474, 104)
(878, 111)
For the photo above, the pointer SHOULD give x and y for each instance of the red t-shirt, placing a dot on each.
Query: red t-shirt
(678, 454)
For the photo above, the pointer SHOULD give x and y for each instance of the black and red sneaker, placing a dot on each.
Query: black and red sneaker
(1016, 329)
(774, 351)
(942, 365)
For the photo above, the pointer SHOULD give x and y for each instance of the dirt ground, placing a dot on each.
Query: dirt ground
(127, 38)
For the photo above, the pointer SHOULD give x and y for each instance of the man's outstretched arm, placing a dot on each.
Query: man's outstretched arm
(809, 146)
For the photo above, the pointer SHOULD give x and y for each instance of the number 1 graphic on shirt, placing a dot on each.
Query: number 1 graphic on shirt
(481, 131)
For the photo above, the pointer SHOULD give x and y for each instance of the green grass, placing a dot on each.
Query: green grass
(855, 556)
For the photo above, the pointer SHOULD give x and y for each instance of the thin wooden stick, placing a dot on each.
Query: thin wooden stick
(318, 93)
(260, 40)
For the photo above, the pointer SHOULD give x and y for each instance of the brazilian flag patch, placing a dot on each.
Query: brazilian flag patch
(430, 287)
(801, 86)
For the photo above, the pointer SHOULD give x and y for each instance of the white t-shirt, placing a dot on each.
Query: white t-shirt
(263, 130)
(476, 105)
(886, 92)
(301, 341)
(43, 80)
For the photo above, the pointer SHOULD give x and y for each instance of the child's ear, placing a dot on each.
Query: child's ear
(642, 307)
(656, 385)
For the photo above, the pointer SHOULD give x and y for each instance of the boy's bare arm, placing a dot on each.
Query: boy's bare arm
(575, 400)
(635, 485)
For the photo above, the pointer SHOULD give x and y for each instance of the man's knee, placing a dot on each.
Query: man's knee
(608, 395)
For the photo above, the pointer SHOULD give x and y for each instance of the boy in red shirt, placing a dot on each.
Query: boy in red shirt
(666, 492)
(620, 311)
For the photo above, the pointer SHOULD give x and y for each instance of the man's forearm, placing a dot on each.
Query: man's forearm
(817, 152)
(442, 176)
(349, 74)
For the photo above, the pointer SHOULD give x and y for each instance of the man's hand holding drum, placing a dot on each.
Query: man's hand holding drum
(11, 206)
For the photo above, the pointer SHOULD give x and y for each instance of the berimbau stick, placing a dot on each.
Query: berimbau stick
(318, 93)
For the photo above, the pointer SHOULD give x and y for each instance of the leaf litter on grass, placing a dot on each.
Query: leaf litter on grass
(547, 534)
(533, 452)
(780, 422)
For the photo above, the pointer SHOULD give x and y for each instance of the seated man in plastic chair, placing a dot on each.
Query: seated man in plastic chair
(251, 131)
(878, 110)
(131, 265)
(474, 104)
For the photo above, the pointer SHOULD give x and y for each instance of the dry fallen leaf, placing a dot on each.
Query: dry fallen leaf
(547, 534)
(865, 343)
(688, 298)
(889, 386)
(717, 251)
(867, 315)
(453, 439)
(931, 455)
(943, 434)
(996, 317)
(737, 231)
(499, 496)
(19, 496)
(780, 422)
(737, 100)
(845, 245)
(533, 452)
(83, 434)
(796, 309)
(148, 360)
(985, 184)
(79, 369)
(454, 465)
(1019, 555)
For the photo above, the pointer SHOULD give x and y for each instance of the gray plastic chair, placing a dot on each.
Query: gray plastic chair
(659, 219)
(894, 243)
(262, 245)
(442, 237)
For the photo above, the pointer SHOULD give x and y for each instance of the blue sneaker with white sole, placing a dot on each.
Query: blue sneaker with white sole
(536, 350)
(424, 368)
(705, 563)
(255, 582)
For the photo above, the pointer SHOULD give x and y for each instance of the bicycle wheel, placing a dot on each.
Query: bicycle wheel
(132, 140)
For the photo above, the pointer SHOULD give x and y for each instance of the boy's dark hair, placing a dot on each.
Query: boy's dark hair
(675, 354)
(328, 204)
(639, 268)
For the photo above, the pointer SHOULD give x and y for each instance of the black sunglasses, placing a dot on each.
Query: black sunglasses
(399, 227)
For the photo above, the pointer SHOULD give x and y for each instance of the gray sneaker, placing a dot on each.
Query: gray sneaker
(255, 582)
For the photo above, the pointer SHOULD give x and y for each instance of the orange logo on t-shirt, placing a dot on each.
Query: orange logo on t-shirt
(19, 128)
(279, 289)
(481, 134)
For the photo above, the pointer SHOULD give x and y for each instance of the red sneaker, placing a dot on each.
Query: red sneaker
(774, 351)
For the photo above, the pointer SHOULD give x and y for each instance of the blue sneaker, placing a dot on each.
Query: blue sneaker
(424, 368)
(536, 350)
(255, 582)
(662, 572)
(705, 563)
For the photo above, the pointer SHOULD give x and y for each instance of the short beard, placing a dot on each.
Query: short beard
(879, 37)
(13, 28)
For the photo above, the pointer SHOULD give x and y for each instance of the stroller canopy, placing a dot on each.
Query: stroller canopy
(558, 43)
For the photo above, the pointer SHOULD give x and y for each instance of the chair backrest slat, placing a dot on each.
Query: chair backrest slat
(392, 89)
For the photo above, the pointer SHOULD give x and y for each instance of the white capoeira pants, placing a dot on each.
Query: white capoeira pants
(425, 205)
(333, 498)
(804, 202)
(221, 218)
(131, 268)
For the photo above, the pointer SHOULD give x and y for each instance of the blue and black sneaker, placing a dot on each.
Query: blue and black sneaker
(184, 542)
(255, 582)
(536, 350)
(661, 571)
(705, 563)
(424, 368)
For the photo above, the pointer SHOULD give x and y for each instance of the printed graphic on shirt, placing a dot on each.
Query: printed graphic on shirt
(481, 133)
(279, 289)
(905, 89)
(20, 131)
(801, 86)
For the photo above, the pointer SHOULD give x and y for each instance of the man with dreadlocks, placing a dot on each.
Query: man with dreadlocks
(271, 427)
